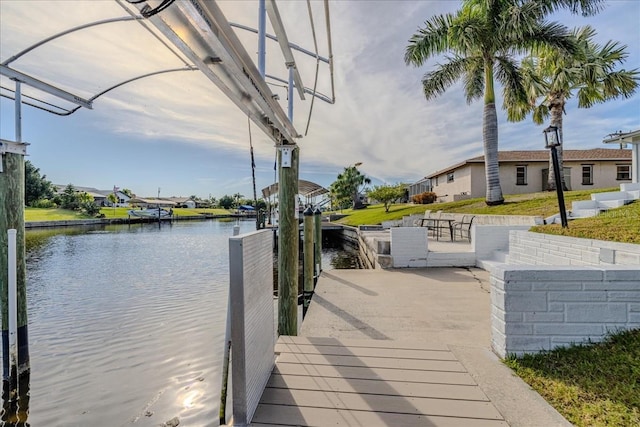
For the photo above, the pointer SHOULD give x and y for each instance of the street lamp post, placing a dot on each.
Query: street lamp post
(552, 141)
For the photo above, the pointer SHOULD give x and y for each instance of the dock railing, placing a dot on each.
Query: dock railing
(252, 325)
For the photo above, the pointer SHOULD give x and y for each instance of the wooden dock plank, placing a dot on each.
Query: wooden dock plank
(302, 416)
(324, 381)
(364, 351)
(372, 362)
(412, 389)
(381, 403)
(382, 374)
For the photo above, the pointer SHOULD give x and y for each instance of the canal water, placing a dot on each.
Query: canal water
(126, 323)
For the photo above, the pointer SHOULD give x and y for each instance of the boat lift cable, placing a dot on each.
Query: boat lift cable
(315, 80)
(328, 24)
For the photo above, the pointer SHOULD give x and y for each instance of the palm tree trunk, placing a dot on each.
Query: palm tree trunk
(490, 140)
(556, 108)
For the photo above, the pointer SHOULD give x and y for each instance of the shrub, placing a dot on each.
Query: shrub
(43, 204)
(424, 198)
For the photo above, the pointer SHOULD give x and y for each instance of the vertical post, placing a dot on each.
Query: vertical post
(556, 172)
(290, 94)
(288, 241)
(12, 217)
(262, 26)
(18, 111)
(308, 258)
(317, 219)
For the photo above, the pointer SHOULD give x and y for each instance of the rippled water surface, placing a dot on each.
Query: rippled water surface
(126, 323)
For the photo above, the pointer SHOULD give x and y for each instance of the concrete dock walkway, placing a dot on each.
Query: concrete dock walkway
(405, 347)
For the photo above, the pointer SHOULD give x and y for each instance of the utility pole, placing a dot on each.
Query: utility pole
(288, 240)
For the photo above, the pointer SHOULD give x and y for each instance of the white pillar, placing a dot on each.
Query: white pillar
(635, 162)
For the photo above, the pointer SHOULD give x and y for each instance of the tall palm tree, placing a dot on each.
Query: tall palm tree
(482, 39)
(553, 77)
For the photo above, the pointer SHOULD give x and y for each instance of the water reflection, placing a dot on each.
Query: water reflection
(126, 323)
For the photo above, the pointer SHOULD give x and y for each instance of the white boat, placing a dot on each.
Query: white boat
(150, 213)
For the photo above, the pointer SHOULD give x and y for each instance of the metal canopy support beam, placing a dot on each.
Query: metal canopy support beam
(202, 33)
(45, 87)
(283, 40)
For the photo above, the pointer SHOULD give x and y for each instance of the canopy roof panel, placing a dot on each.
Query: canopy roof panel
(305, 188)
(125, 46)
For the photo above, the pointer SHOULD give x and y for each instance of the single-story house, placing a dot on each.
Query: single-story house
(527, 171)
(123, 199)
(99, 197)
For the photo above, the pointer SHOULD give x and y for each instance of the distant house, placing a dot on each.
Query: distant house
(99, 197)
(527, 172)
(123, 199)
(184, 202)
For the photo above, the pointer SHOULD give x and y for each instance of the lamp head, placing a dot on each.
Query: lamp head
(551, 137)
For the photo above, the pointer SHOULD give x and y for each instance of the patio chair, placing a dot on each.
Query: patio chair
(421, 222)
(463, 228)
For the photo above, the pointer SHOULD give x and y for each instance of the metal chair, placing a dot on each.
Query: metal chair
(464, 227)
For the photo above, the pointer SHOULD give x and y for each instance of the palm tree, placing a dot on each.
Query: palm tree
(554, 76)
(482, 39)
(349, 184)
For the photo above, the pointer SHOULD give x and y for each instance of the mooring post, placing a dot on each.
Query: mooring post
(309, 254)
(288, 241)
(15, 393)
(317, 241)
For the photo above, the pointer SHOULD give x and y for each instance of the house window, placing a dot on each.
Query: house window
(450, 177)
(521, 175)
(587, 174)
(436, 181)
(623, 172)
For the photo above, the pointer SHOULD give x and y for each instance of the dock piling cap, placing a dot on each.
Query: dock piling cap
(308, 212)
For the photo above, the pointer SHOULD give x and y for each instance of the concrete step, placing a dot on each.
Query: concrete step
(610, 195)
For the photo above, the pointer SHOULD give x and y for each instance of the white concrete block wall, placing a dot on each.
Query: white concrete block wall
(529, 248)
(490, 240)
(409, 246)
(534, 309)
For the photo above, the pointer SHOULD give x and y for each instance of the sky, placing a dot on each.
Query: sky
(177, 133)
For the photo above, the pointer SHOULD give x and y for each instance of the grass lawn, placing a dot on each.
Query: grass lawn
(618, 225)
(590, 385)
(36, 214)
(539, 204)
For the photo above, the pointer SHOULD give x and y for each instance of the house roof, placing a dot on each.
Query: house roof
(543, 156)
(93, 192)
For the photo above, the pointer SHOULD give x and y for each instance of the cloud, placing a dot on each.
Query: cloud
(380, 117)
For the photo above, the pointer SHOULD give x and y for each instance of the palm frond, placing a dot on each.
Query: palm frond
(435, 83)
(509, 75)
(430, 40)
(540, 114)
(584, 7)
(474, 79)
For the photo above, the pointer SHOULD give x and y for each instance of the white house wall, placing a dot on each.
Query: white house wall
(470, 178)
